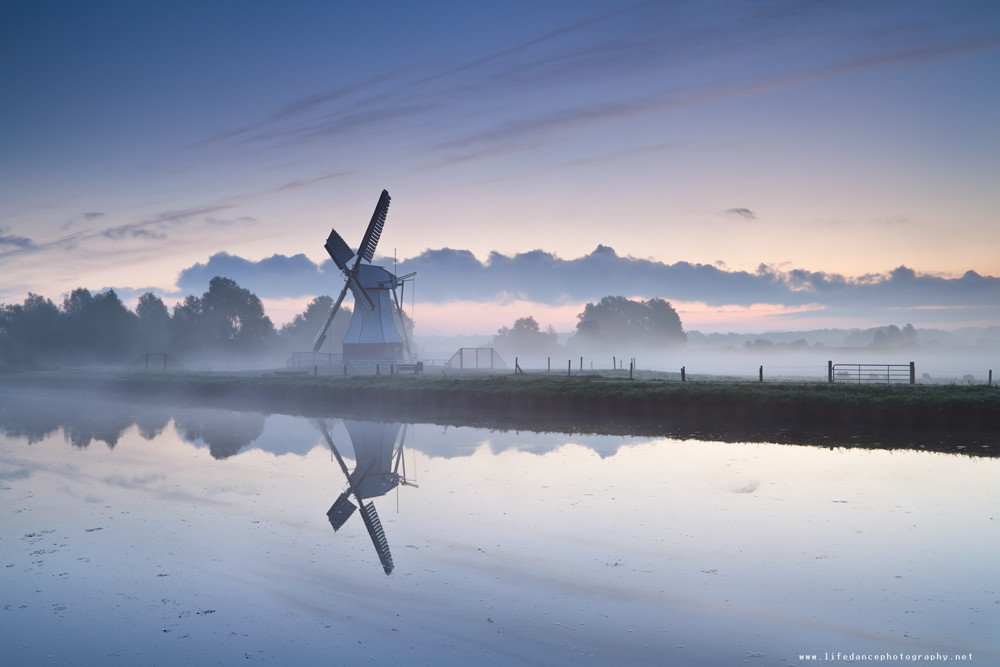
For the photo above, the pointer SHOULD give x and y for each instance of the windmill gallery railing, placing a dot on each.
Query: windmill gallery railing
(872, 373)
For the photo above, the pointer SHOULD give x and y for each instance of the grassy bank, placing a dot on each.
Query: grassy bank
(824, 413)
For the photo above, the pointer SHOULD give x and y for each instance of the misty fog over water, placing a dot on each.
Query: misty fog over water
(139, 533)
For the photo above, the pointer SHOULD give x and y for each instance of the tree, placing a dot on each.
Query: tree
(154, 323)
(100, 327)
(298, 335)
(526, 338)
(185, 331)
(227, 318)
(893, 336)
(616, 319)
(30, 331)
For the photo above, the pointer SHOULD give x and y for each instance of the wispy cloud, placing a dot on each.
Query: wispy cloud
(565, 78)
(306, 182)
(156, 225)
(744, 213)
(14, 242)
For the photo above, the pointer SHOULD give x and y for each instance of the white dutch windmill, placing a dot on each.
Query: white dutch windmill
(376, 331)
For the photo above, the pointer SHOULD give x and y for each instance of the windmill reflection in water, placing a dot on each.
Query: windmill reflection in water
(378, 461)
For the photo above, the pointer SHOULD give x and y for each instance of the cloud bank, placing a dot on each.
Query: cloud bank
(446, 275)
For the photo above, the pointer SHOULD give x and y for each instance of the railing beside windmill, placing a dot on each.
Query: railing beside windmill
(872, 373)
(476, 358)
(156, 361)
(311, 359)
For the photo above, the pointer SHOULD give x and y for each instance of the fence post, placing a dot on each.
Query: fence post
(913, 372)
(829, 372)
(631, 367)
(683, 374)
(614, 362)
(569, 367)
(581, 364)
(989, 383)
(548, 361)
(761, 373)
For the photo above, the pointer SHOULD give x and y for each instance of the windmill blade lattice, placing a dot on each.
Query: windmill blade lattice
(367, 248)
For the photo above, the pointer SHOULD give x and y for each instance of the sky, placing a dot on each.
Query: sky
(762, 165)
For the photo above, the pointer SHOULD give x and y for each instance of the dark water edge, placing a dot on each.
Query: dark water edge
(807, 416)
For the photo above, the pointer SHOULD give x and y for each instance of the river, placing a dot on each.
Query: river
(151, 534)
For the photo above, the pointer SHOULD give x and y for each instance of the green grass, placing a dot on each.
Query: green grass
(980, 399)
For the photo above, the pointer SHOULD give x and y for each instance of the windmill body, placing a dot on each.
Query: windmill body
(376, 332)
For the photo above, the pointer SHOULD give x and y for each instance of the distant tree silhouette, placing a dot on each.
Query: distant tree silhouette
(526, 339)
(227, 318)
(30, 333)
(893, 336)
(298, 335)
(186, 333)
(99, 327)
(615, 319)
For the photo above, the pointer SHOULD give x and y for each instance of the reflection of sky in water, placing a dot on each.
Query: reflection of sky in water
(516, 547)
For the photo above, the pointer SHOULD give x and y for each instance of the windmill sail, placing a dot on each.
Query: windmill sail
(340, 511)
(321, 336)
(377, 534)
(339, 250)
(367, 248)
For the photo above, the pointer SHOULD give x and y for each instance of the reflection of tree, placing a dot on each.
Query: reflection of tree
(37, 415)
(225, 432)
(151, 423)
(29, 416)
(90, 426)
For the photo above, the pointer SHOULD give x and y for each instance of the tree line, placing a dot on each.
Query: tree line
(225, 323)
(228, 323)
(613, 323)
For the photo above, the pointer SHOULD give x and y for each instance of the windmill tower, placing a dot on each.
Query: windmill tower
(376, 331)
(376, 472)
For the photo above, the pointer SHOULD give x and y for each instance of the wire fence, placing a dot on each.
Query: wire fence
(855, 373)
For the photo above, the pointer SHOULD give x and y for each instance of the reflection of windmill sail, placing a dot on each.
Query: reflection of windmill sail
(376, 331)
(375, 473)
(374, 527)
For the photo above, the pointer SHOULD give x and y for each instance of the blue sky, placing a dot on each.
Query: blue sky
(801, 145)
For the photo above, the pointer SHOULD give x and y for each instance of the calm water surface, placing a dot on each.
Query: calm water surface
(155, 535)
